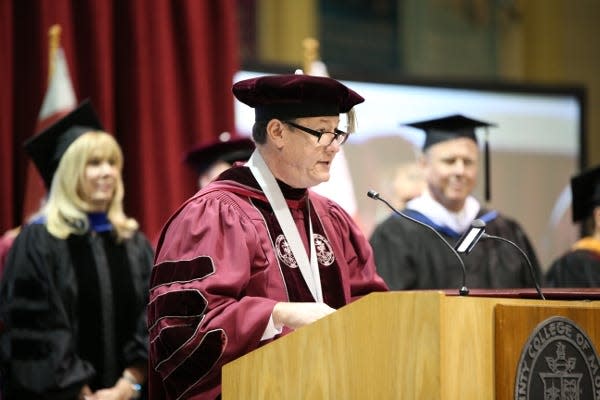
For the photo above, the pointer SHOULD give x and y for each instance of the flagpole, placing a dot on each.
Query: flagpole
(53, 45)
(59, 100)
(311, 53)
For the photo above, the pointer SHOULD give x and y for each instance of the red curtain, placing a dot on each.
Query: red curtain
(158, 72)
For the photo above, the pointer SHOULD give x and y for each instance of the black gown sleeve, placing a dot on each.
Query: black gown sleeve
(38, 347)
(141, 258)
(390, 249)
(409, 256)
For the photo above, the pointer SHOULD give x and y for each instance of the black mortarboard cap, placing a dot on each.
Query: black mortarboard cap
(47, 147)
(585, 189)
(452, 127)
(295, 96)
(227, 148)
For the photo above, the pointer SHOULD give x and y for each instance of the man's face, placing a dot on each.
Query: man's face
(307, 162)
(451, 171)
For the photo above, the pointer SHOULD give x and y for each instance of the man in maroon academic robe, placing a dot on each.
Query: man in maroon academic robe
(255, 254)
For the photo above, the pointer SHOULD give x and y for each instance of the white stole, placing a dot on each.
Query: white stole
(268, 184)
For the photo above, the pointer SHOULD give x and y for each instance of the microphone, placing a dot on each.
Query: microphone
(476, 231)
(463, 291)
(468, 240)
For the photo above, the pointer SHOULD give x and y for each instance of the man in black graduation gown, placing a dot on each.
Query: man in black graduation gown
(410, 256)
(580, 266)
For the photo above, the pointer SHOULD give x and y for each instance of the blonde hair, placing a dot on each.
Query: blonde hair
(66, 210)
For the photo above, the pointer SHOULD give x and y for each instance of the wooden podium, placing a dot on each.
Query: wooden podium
(404, 345)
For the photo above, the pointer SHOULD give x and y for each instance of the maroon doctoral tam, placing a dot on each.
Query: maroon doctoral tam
(295, 96)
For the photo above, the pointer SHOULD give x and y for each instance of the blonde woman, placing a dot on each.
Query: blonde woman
(76, 281)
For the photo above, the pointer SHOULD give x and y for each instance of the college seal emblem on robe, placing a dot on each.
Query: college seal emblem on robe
(325, 255)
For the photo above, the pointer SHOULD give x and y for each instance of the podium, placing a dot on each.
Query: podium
(404, 345)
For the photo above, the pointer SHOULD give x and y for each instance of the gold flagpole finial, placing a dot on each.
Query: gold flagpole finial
(53, 45)
(311, 53)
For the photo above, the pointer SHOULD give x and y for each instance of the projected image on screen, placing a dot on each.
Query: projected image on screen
(535, 149)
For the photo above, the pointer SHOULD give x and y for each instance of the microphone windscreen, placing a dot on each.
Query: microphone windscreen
(477, 223)
(373, 194)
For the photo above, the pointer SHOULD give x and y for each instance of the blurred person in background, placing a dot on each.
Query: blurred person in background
(408, 183)
(210, 159)
(410, 256)
(580, 266)
(75, 288)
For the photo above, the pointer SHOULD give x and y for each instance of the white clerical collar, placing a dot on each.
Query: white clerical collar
(269, 186)
(457, 221)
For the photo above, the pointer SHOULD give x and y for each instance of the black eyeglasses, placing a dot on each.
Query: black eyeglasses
(337, 135)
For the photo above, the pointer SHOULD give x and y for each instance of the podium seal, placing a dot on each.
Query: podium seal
(558, 362)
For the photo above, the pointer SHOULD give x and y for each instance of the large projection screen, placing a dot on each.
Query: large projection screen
(535, 149)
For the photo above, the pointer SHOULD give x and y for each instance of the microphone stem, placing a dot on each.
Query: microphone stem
(531, 271)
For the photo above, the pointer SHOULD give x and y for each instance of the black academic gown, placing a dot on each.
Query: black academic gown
(73, 312)
(577, 268)
(410, 256)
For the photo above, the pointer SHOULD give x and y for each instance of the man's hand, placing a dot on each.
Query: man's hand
(295, 315)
